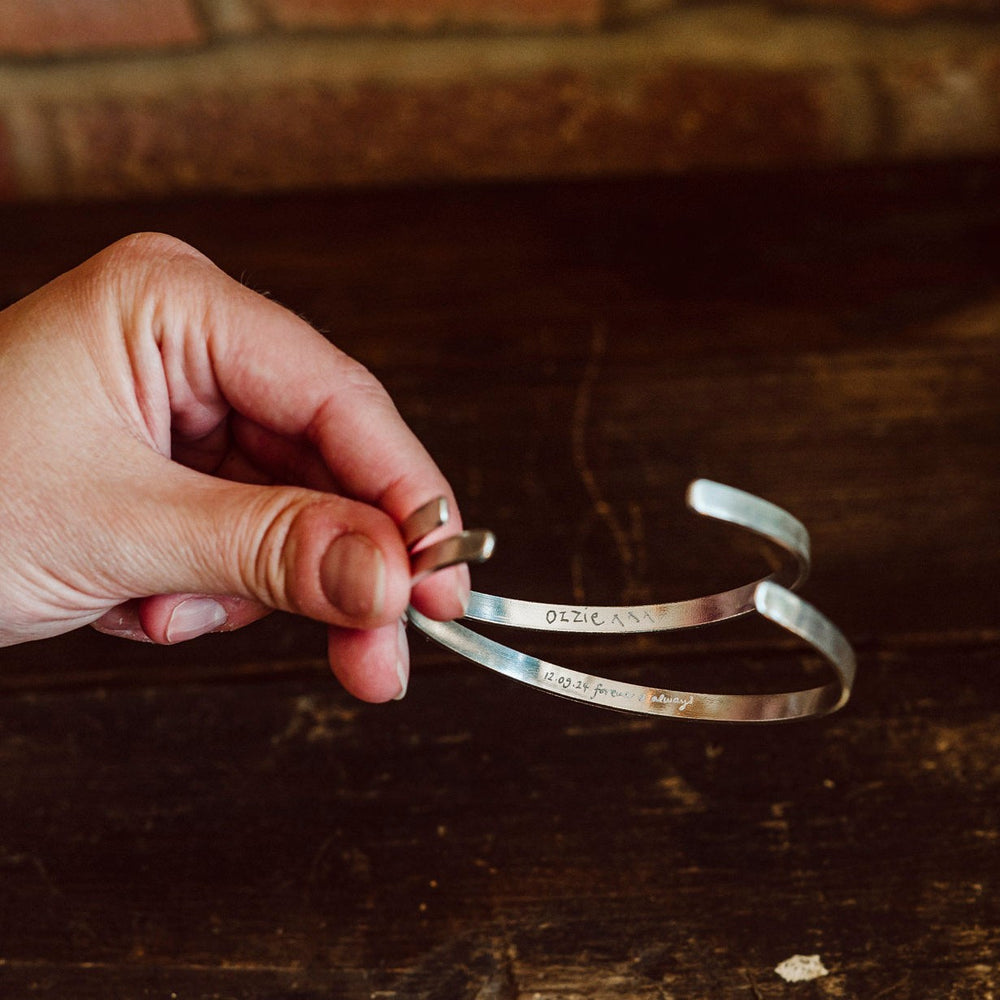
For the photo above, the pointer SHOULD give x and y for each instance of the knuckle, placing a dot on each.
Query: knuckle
(143, 264)
(266, 526)
(368, 392)
(360, 378)
(279, 535)
(156, 286)
(142, 248)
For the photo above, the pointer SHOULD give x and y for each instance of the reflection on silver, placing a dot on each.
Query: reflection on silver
(790, 612)
(466, 546)
(423, 521)
(775, 603)
(771, 597)
(722, 503)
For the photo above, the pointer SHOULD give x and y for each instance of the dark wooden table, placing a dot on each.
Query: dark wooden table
(220, 820)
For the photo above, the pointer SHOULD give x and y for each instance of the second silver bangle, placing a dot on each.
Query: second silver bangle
(771, 597)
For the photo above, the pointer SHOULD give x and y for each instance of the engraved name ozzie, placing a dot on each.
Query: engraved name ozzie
(605, 618)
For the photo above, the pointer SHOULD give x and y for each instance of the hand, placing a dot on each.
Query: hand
(150, 407)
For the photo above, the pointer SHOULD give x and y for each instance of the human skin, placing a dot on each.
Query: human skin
(181, 455)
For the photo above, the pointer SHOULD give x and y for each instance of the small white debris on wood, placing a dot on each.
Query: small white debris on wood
(801, 968)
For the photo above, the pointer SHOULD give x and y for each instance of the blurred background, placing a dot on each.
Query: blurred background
(121, 98)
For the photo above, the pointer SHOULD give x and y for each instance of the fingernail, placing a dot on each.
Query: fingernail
(352, 574)
(194, 617)
(402, 660)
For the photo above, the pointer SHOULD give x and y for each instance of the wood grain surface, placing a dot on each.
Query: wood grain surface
(220, 820)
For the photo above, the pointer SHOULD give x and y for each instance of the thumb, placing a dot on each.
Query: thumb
(311, 553)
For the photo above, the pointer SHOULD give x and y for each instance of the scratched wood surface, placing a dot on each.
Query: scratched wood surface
(219, 820)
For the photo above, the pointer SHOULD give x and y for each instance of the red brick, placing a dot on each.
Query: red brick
(426, 14)
(63, 27)
(552, 124)
(901, 8)
(233, 17)
(946, 104)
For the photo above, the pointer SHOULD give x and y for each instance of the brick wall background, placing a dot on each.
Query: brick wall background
(133, 97)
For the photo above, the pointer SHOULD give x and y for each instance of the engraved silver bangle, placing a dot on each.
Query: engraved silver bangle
(772, 599)
(774, 602)
(704, 497)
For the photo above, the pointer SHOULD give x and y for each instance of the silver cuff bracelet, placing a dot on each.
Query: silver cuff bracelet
(771, 597)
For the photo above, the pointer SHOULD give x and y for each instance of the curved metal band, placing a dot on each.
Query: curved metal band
(773, 601)
(704, 497)
(770, 598)
(466, 546)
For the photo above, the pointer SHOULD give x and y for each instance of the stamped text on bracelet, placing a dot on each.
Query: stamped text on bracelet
(598, 618)
(600, 691)
(771, 597)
